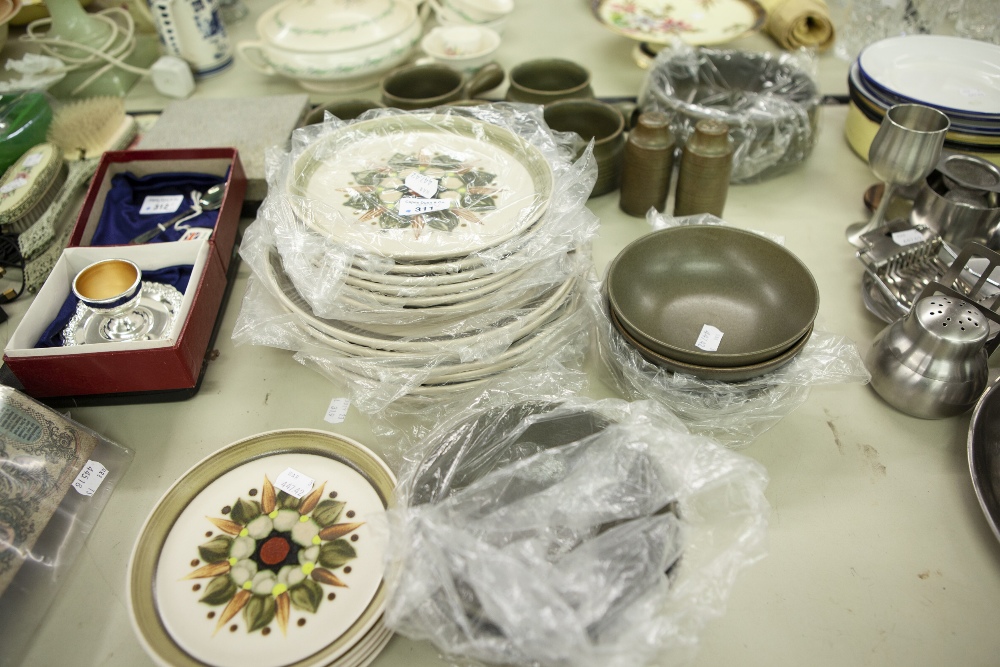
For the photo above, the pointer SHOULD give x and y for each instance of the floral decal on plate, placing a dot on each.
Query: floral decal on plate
(274, 555)
(646, 20)
(463, 192)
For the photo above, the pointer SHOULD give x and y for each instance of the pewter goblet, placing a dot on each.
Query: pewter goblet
(904, 151)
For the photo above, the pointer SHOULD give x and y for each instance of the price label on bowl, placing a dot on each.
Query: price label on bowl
(709, 338)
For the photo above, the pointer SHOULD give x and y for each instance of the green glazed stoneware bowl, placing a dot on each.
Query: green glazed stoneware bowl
(712, 295)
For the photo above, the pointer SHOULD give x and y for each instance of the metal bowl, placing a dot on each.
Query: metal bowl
(668, 288)
(984, 455)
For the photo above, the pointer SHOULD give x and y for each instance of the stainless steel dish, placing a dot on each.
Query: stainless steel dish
(984, 455)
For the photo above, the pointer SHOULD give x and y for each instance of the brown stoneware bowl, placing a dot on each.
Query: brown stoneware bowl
(712, 295)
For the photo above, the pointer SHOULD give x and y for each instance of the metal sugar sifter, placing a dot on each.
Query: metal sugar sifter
(933, 362)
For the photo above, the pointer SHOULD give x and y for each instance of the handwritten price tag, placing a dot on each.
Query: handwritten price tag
(709, 338)
(154, 204)
(907, 237)
(337, 412)
(423, 185)
(89, 478)
(416, 206)
(294, 483)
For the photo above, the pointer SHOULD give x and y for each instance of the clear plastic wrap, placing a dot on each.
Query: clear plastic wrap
(56, 476)
(421, 253)
(770, 103)
(570, 532)
(734, 413)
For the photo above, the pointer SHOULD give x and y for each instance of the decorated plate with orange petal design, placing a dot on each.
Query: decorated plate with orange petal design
(266, 553)
(421, 186)
(695, 22)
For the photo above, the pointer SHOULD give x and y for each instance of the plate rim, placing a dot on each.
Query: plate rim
(757, 9)
(890, 42)
(447, 123)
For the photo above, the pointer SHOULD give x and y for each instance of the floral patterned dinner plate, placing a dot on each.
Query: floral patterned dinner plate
(695, 22)
(232, 570)
(421, 186)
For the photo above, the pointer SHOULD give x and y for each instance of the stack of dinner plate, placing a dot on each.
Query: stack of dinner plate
(452, 275)
(267, 552)
(959, 77)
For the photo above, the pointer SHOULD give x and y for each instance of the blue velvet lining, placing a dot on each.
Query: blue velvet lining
(178, 276)
(120, 220)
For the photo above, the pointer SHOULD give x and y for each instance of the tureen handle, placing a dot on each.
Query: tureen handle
(423, 7)
(253, 52)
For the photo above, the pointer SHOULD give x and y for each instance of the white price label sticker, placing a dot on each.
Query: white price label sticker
(907, 237)
(294, 483)
(154, 204)
(196, 233)
(337, 412)
(89, 479)
(709, 338)
(416, 205)
(18, 182)
(422, 184)
(33, 160)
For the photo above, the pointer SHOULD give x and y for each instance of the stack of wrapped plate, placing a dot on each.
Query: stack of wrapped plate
(714, 302)
(959, 77)
(267, 553)
(426, 255)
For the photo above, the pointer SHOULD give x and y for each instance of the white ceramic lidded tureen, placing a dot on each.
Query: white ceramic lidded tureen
(333, 45)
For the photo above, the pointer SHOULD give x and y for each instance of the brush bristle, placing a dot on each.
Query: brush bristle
(86, 128)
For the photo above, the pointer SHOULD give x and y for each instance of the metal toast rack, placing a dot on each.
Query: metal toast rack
(903, 260)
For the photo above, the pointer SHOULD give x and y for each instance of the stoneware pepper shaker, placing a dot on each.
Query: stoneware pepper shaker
(648, 165)
(703, 178)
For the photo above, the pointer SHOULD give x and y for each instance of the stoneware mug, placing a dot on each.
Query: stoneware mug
(342, 109)
(426, 86)
(602, 122)
(548, 80)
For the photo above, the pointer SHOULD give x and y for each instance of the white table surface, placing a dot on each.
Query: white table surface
(878, 551)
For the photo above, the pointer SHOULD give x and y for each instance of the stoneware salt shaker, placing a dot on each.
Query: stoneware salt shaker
(648, 165)
(703, 178)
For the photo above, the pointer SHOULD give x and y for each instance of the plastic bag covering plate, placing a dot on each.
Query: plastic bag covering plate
(584, 533)
(493, 185)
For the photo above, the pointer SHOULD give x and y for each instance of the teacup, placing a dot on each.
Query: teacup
(425, 86)
(547, 80)
(465, 48)
(593, 119)
(342, 109)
